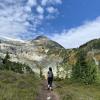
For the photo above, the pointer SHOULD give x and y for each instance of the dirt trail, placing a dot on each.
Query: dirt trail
(45, 94)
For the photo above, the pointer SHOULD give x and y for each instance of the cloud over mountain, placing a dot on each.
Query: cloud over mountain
(77, 36)
(20, 18)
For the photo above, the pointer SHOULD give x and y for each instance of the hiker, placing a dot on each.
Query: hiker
(50, 78)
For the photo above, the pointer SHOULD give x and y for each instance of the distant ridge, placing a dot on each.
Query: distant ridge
(41, 37)
(93, 44)
(46, 42)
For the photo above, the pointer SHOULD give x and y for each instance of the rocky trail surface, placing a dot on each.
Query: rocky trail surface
(45, 94)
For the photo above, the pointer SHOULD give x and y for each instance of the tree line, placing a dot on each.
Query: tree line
(84, 70)
(14, 66)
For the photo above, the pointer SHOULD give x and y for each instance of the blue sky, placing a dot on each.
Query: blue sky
(72, 14)
(68, 22)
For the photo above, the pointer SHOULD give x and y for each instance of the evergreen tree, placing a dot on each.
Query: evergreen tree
(6, 61)
(14, 66)
(84, 71)
(78, 69)
(7, 57)
(91, 71)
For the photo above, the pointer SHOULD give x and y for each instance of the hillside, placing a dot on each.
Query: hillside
(46, 43)
(93, 44)
(14, 86)
(39, 53)
(93, 49)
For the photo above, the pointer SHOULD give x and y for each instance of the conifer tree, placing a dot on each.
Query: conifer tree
(6, 61)
(84, 71)
(7, 57)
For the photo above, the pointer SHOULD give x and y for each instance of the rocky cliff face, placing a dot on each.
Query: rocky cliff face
(93, 49)
(39, 53)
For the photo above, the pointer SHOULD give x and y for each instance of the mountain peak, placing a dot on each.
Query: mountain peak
(41, 37)
(45, 42)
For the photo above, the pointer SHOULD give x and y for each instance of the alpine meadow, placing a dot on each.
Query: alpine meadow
(49, 50)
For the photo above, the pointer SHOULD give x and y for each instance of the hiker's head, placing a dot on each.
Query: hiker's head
(50, 69)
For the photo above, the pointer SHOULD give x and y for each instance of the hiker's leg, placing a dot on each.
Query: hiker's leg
(48, 83)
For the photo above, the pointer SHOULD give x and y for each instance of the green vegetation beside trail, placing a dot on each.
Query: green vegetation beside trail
(84, 71)
(15, 86)
(78, 91)
(17, 81)
(84, 83)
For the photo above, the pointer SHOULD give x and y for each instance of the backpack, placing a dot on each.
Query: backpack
(50, 74)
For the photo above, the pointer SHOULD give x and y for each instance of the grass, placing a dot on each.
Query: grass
(15, 86)
(77, 91)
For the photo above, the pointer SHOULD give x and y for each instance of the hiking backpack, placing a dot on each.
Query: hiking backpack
(50, 74)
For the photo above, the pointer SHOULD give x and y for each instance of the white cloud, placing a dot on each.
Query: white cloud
(52, 10)
(48, 2)
(75, 37)
(12, 39)
(44, 2)
(40, 10)
(32, 3)
(50, 17)
(18, 18)
(40, 16)
(15, 17)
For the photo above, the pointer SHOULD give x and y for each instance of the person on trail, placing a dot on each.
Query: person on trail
(50, 78)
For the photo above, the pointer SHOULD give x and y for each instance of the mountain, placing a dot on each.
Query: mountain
(92, 48)
(39, 53)
(93, 44)
(46, 42)
(41, 37)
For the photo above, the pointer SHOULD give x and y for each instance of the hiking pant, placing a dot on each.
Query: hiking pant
(50, 81)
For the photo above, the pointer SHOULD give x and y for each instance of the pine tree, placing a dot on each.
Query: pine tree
(84, 71)
(6, 61)
(91, 72)
(7, 57)
(79, 68)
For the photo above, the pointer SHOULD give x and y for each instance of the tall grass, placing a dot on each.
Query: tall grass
(77, 91)
(15, 86)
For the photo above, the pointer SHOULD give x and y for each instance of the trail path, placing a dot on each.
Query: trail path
(45, 94)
